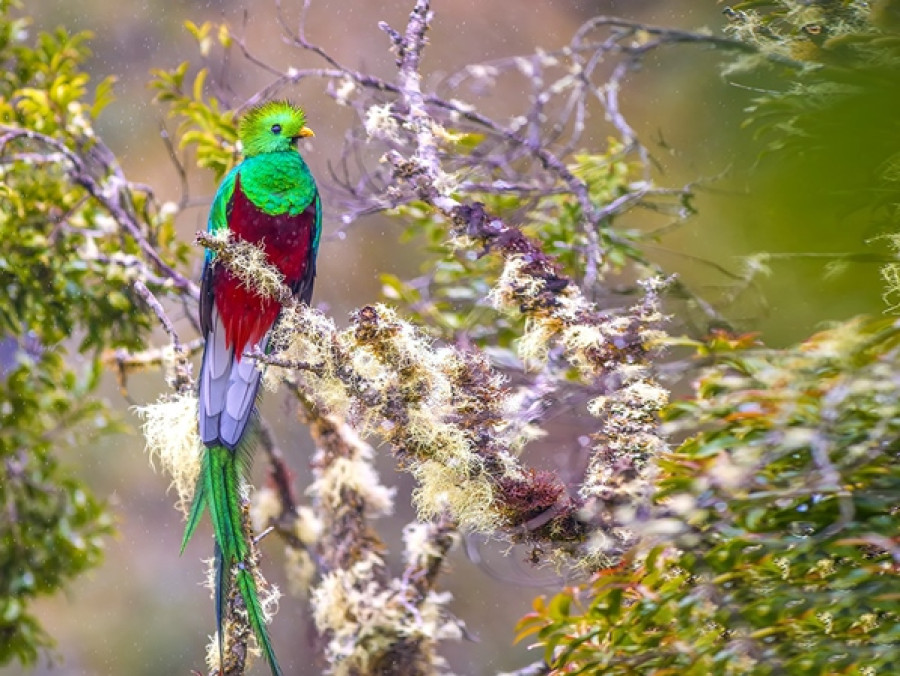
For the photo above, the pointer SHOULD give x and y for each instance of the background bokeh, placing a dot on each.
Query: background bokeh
(143, 612)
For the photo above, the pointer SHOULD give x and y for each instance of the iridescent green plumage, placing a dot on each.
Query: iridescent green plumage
(269, 199)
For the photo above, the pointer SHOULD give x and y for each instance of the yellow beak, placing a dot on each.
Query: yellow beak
(304, 132)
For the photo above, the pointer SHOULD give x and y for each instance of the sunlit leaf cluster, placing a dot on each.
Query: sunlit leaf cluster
(65, 265)
(205, 126)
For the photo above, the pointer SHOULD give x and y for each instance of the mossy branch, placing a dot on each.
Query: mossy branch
(444, 411)
(371, 622)
(615, 348)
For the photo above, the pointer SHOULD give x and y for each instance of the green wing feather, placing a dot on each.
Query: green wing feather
(318, 235)
(221, 206)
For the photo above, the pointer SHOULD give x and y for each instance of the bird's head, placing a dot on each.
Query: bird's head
(274, 126)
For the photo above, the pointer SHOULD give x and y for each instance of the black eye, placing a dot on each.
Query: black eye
(276, 128)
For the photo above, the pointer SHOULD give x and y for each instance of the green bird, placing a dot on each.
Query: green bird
(269, 199)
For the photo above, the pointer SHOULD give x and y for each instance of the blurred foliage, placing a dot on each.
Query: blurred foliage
(774, 546)
(65, 271)
(827, 73)
(781, 553)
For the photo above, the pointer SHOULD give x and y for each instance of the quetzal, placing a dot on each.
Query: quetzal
(269, 199)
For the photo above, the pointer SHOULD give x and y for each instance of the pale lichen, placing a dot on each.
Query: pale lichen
(307, 526)
(170, 432)
(364, 619)
(300, 570)
(264, 508)
(247, 261)
(381, 123)
(609, 348)
(359, 476)
(443, 488)
(418, 544)
(393, 382)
